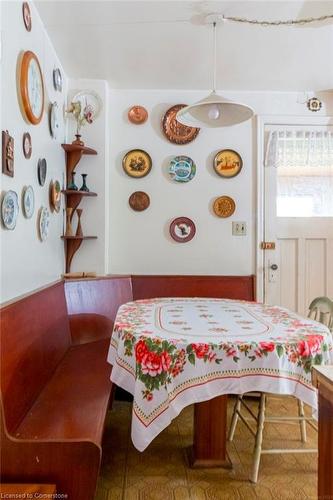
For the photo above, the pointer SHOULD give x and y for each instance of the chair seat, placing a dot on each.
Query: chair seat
(74, 402)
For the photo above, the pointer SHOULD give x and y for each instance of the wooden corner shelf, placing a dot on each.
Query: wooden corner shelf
(72, 244)
(74, 153)
(73, 198)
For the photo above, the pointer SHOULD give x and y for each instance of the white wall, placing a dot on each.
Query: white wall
(26, 262)
(139, 241)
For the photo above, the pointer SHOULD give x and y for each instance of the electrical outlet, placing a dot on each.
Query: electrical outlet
(239, 228)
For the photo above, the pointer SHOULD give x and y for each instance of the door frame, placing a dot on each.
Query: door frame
(262, 122)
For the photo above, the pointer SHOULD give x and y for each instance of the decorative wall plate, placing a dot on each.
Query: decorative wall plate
(182, 169)
(137, 163)
(174, 131)
(139, 201)
(28, 202)
(31, 88)
(89, 99)
(54, 119)
(9, 209)
(27, 145)
(55, 195)
(43, 223)
(57, 79)
(228, 163)
(182, 229)
(26, 16)
(7, 154)
(137, 115)
(224, 206)
(41, 170)
(314, 104)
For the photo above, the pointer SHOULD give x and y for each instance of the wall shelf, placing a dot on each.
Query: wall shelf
(72, 244)
(73, 198)
(74, 153)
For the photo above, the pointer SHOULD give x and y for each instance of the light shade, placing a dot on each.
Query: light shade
(214, 111)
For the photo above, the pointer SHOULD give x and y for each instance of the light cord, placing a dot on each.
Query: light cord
(214, 50)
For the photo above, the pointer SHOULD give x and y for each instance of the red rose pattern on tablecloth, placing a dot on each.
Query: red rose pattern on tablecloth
(158, 361)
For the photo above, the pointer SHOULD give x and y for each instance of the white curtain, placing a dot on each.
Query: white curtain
(299, 148)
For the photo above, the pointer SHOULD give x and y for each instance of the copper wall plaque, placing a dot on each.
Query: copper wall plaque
(139, 201)
(137, 115)
(224, 206)
(7, 154)
(174, 131)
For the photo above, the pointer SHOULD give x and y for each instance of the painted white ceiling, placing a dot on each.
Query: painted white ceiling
(162, 44)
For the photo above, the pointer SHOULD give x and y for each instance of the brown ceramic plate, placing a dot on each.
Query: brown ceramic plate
(137, 163)
(137, 115)
(139, 201)
(27, 146)
(174, 131)
(228, 163)
(224, 206)
(41, 171)
(26, 15)
(55, 195)
(182, 229)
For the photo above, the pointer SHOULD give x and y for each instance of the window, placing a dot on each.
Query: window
(304, 162)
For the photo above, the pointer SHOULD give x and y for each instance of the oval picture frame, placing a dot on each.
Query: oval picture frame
(228, 163)
(27, 106)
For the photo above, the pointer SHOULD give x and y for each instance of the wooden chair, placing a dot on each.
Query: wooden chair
(320, 309)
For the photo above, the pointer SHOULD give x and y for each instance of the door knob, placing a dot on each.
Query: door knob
(274, 267)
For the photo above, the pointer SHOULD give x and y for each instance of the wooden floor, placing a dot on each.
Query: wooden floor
(162, 473)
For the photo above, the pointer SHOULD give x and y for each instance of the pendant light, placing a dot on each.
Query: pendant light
(214, 110)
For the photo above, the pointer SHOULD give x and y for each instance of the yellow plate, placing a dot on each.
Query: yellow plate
(228, 163)
(137, 163)
(224, 206)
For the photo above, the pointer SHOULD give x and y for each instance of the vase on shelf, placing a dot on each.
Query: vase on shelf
(79, 227)
(84, 186)
(78, 141)
(69, 230)
(72, 186)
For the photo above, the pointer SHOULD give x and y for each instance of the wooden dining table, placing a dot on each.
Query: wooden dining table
(173, 352)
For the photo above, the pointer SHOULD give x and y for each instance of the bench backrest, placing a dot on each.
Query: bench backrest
(34, 337)
(227, 287)
(93, 305)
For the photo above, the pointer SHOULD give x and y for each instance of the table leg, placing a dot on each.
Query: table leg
(210, 430)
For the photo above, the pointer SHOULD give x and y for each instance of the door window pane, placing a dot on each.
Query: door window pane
(304, 191)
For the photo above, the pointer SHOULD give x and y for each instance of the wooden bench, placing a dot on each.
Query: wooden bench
(55, 380)
(54, 395)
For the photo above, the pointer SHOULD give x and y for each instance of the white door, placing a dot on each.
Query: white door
(298, 213)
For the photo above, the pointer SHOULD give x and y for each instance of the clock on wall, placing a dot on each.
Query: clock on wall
(31, 88)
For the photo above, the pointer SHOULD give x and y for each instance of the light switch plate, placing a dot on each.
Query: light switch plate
(239, 228)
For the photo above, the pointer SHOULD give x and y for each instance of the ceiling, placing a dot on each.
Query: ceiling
(164, 44)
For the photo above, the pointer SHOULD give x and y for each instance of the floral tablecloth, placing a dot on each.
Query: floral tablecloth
(173, 352)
